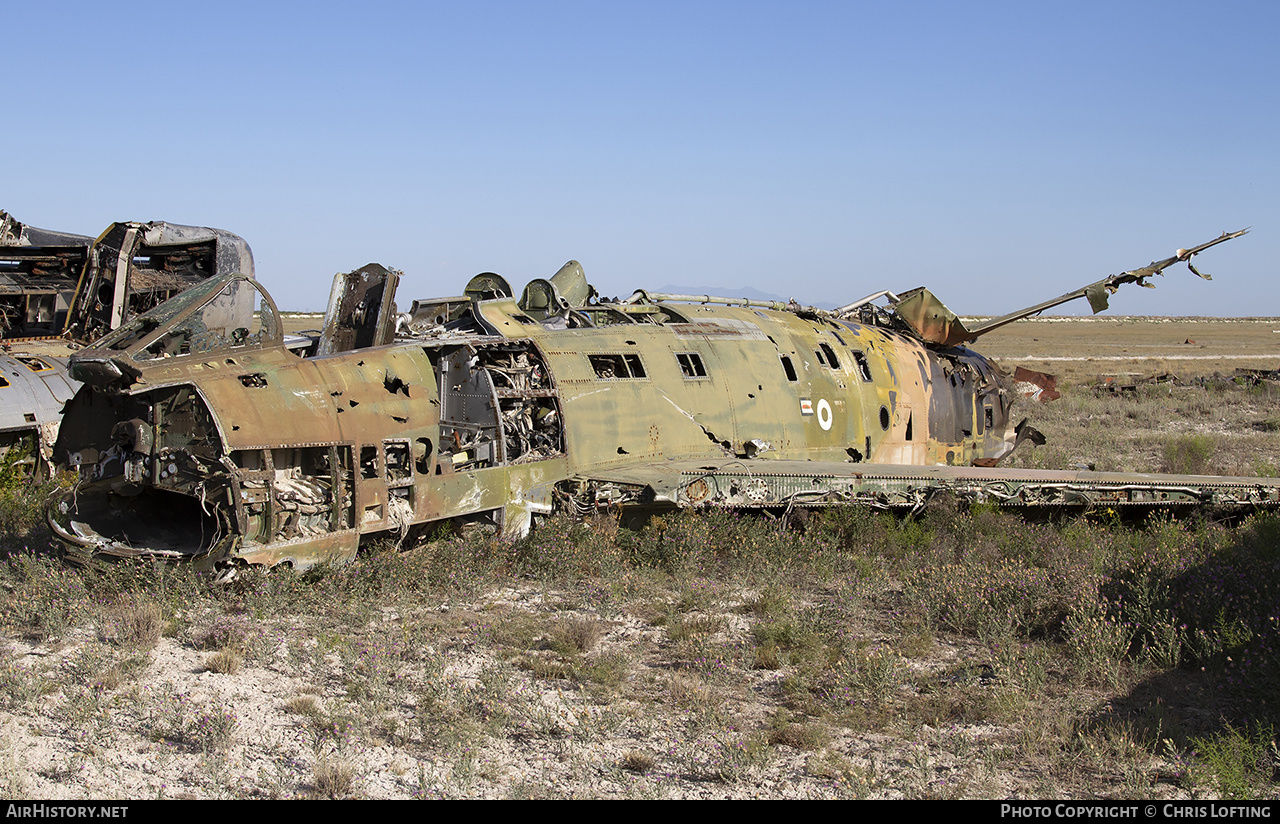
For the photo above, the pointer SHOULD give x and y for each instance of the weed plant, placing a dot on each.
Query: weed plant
(205, 727)
(1188, 454)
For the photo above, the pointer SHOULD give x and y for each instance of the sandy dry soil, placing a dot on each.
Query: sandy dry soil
(428, 700)
(315, 713)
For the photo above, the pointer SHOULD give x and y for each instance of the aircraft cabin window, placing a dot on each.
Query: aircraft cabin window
(369, 462)
(399, 468)
(617, 367)
(832, 360)
(691, 365)
(788, 368)
(864, 367)
(634, 364)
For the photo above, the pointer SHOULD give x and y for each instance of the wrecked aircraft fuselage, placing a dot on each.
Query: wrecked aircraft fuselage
(61, 290)
(33, 390)
(199, 436)
(133, 267)
(56, 284)
(38, 273)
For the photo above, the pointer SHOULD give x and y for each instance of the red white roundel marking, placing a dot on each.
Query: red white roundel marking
(824, 411)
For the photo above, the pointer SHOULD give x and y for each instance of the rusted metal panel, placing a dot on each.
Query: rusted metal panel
(817, 484)
(33, 391)
(133, 267)
(38, 273)
(930, 319)
(1039, 386)
(361, 310)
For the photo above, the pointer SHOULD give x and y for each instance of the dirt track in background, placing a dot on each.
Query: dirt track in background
(1082, 349)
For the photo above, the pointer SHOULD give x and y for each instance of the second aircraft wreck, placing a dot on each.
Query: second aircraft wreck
(198, 435)
(60, 290)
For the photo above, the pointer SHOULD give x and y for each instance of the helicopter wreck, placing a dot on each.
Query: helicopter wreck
(59, 291)
(38, 273)
(62, 285)
(199, 436)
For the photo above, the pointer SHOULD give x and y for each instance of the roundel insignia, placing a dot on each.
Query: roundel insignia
(824, 414)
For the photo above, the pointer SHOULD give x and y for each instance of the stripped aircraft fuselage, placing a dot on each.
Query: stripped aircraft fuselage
(199, 436)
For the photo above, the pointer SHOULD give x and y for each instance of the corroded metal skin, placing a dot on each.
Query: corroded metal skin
(59, 290)
(59, 284)
(199, 436)
(38, 273)
(33, 390)
(132, 267)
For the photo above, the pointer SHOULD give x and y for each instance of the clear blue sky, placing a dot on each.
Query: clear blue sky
(1000, 153)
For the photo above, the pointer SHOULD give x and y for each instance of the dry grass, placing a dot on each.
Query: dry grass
(303, 705)
(333, 777)
(134, 624)
(1105, 346)
(580, 634)
(224, 662)
(803, 736)
(638, 761)
(951, 669)
(957, 653)
(224, 632)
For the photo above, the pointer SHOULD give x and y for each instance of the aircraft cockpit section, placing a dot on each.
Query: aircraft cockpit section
(217, 315)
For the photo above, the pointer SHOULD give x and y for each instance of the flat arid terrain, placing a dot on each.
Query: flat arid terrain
(1082, 348)
(958, 653)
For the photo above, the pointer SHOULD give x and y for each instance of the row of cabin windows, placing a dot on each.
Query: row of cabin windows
(614, 367)
(620, 367)
(398, 464)
(398, 456)
(629, 366)
(827, 357)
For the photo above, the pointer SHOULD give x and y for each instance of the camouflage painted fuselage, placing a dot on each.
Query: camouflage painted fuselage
(198, 435)
(236, 448)
(717, 379)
